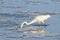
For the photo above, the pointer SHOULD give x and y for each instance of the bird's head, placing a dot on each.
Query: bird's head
(24, 23)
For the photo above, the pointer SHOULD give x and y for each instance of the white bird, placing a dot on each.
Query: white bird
(37, 19)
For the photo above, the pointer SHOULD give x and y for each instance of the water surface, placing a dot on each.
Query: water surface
(14, 12)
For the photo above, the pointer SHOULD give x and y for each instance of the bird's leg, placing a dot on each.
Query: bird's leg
(39, 28)
(39, 25)
(44, 24)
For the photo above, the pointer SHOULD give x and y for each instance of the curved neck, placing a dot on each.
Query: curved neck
(26, 23)
(23, 24)
(29, 22)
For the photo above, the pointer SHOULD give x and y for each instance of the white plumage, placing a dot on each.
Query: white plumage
(37, 19)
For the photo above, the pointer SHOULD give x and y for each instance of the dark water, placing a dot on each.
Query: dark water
(14, 12)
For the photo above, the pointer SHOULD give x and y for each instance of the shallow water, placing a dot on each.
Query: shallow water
(14, 12)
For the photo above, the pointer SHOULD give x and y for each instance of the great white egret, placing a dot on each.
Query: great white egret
(37, 19)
